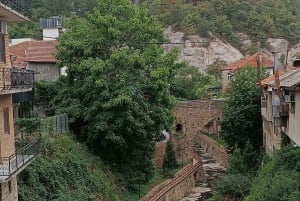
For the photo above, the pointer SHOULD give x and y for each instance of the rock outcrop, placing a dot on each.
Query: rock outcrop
(200, 52)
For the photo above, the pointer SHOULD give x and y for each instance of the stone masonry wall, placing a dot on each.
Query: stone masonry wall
(179, 186)
(160, 150)
(213, 149)
(193, 116)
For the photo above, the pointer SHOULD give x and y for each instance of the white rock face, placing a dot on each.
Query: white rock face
(201, 52)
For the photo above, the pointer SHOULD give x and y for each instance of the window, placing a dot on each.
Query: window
(229, 76)
(6, 120)
(9, 186)
(2, 48)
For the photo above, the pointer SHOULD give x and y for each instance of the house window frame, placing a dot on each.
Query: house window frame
(6, 121)
(229, 76)
(2, 48)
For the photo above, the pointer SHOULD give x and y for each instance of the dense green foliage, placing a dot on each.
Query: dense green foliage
(279, 179)
(258, 19)
(241, 114)
(117, 91)
(49, 8)
(66, 171)
(189, 83)
(170, 159)
(233, 187)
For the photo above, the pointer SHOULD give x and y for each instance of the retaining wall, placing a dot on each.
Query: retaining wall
(179, 186)
(213, 149)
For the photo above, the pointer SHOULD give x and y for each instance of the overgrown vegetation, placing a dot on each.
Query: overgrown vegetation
(169, 159)
(189, 83)
(65, 170)
(277, 179)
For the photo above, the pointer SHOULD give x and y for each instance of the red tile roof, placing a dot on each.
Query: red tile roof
(281, 71)
(250, 60)
(34, 51)
(265, 82)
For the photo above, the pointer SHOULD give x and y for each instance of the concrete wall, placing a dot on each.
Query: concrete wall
(293, 128)
(272, 137)
(45, 71)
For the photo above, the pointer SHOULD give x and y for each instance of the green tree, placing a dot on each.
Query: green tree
(233, 187)
(279, 179)
(241, 113)
(169, 159)
(117, 91)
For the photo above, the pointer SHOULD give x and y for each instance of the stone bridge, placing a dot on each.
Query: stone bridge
(194, 118)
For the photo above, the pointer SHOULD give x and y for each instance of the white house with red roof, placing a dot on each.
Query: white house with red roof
(228, 71)
(38, 56)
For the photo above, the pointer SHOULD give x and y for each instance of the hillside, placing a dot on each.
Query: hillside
(65, 170)
(230, 19)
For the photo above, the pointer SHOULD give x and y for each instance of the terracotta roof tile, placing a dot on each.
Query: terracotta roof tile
(250, 60)
(34, 51)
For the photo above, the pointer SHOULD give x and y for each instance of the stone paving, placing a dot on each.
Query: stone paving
(213, 171)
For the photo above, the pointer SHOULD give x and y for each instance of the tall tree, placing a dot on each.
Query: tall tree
(241, 114)
(117, 90)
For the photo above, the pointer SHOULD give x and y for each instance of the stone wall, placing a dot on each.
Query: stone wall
(213, 149)
(160, 150)
(179, 186)
(193, 117)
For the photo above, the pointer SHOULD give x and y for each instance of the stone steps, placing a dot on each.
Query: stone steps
(213, 171)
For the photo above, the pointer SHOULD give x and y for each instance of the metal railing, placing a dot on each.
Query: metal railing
(10, 165)
(16, 78)
(21, 6)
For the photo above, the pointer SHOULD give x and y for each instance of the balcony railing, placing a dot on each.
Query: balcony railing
(21, 6)
(19, 160)
(12, 78)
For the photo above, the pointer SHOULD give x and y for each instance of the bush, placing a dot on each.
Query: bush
(233, 187)
(169, 159)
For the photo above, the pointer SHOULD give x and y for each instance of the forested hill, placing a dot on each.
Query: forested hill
(259, 19)
(48, 8)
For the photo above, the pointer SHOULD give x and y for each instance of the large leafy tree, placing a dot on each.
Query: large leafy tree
(241, 115)
(117, 88)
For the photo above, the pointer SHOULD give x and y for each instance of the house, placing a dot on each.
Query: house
(38, 56)
(228, 71)
(280, 108)
(15, 85)
(52, 27)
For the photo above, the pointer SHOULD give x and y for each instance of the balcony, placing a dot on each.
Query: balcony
(13, 80)
(15, 163)
(15, 10)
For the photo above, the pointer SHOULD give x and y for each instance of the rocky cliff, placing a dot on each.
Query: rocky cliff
(201, 52)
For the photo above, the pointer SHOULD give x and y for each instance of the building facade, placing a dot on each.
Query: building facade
(280, 110)
(228, 71)
(14, 83)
